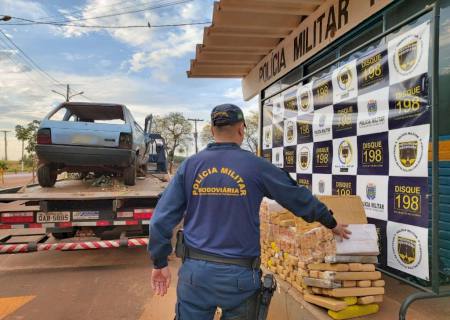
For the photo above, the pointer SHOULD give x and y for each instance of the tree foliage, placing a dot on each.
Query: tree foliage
(28, 134)
(3, 165)
(251, 133)
(206, 135)
(176, 131)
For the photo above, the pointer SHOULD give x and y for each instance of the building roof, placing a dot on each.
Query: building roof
(243, 32)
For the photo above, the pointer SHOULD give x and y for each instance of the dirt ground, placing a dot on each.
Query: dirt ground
(15, 180)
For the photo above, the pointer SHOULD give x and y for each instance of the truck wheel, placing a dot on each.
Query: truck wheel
(46, 176)
(129, 174)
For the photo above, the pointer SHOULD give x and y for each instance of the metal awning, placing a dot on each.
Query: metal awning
(243, 32)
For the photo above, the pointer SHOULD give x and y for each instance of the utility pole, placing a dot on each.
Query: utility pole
(68, 96)
(6, 143)
(195, 132)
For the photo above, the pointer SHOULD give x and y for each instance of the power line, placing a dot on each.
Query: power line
(79, 13)
(20, 65)
(148, 25)
(31, 60)
(31, 63)
(20, 62)
(168, 4)
(81, 10)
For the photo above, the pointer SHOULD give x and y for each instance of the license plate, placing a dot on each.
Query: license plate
(43, 217)
(86, 215)
(79, 139)
(125, 214)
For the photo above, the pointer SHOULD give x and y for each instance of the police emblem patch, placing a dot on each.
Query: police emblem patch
(372, 107)
(322, 120)
(344, 78)
(408, 151)
(371, 191)
(321, 186)
(304, 158)
(407, 54)
(290, 131)
(406, 249)
(345, 152)
(304, 100)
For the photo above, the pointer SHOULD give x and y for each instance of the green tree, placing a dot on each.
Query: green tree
(3, 165)
(176, 131)
(251, 133)
(206, 135)
(22, 134)
(27, 135)
(32, 128)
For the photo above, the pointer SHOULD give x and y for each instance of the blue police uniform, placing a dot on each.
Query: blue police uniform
(218, 192)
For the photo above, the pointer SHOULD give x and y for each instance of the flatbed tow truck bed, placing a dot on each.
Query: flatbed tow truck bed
(75, 207)
(151, 186)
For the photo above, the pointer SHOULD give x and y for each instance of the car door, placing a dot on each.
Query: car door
(140, 140)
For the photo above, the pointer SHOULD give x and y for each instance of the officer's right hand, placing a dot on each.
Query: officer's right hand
(161, 280)
(342, 231)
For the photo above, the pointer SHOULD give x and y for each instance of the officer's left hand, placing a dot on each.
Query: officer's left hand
(342, 231)
(161, 280)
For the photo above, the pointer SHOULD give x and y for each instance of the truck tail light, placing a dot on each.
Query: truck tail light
(17, 217)
(142, 214)
(125, 140)
(44, 136)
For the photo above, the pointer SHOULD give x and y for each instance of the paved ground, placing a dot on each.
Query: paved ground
(106, 284)
(114, 284)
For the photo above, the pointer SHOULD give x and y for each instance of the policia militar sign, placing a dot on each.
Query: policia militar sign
(364, 129)
(331, 20)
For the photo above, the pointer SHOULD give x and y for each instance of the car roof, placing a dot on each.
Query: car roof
(87, 104)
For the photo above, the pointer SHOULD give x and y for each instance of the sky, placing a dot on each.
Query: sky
(144, 68)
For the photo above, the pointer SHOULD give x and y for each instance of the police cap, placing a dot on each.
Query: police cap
(226, 114)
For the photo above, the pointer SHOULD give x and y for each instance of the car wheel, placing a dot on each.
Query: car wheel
(129, 174)
(46, 176)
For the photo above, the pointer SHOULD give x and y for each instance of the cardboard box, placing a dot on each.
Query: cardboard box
(346, 209)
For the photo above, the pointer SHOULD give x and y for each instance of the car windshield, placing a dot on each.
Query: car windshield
(110, 114)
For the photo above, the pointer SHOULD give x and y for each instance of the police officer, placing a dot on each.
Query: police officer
(218, 192)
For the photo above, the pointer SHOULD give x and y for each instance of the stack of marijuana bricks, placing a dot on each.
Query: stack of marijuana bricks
(337, 275)
(289, 244)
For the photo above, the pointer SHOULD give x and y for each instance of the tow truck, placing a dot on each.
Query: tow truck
(85, 213)
(75, 209)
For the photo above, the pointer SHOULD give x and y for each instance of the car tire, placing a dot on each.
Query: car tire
(46, 176)
(129, 174)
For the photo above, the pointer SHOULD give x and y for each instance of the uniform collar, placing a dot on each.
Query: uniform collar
(222, 145)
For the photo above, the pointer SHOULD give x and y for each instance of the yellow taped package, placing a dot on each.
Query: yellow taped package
(354, 311)
(350, 300)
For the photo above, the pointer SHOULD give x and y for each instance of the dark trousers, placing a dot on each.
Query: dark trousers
(203, 286)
